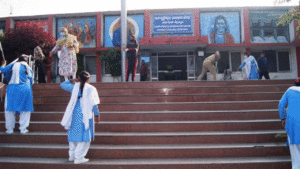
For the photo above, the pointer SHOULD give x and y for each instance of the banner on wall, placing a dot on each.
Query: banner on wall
(263, 28)
(172, 24)
(2, 28)
(83, 28)
(40, 23)
(135, 27)
(221, 27)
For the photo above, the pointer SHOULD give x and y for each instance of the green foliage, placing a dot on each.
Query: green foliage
(289, 17)
(112, 58)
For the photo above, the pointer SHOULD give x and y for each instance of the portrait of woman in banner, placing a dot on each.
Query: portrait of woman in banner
(83, 28)
(135, 27)
(116, 40)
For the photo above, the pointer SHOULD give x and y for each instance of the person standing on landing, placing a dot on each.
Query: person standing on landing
(263, 66)
(251, 67)
(79, 116)
(131, 59)
(68, 46)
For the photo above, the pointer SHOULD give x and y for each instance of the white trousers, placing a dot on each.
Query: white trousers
(10, 120)
(295, 155)
(78, 150)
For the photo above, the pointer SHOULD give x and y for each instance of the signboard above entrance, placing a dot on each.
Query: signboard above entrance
(172, 24)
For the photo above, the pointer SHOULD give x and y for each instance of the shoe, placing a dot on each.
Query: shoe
(24, 131)
(82, 160)
(9, 132)
(71, 159)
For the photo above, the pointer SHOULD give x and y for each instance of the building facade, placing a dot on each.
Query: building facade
(174, 42)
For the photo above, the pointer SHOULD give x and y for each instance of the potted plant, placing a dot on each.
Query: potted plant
(112, 57)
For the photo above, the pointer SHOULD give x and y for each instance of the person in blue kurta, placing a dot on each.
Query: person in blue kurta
(18, 95)
(251, 67)
(79, 116)
(291, 120)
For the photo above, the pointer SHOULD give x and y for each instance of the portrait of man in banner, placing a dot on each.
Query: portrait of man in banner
(220, 32)
(221, 28)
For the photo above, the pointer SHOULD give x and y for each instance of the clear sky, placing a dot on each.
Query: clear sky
(40, 7)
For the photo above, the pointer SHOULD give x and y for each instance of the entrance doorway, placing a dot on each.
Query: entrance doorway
(172, 68)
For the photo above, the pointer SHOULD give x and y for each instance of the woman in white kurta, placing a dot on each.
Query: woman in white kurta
(291, 120)
(18, 95)
(251, 67)
(68, 47)
(78, 118)
(245, 70)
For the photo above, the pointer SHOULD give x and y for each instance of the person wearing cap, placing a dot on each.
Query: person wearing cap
(19, 96)
(78, 118)
(68, 46)
(251, 67)
(290, 120)
(208, 65)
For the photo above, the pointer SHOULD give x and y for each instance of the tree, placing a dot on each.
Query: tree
(23, 40)
(290, 16)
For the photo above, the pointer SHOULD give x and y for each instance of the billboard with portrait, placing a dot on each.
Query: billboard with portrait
(2, 28)
(112, 37)
(40, 23)
(83, 28)
(263, 28)
(221, 27)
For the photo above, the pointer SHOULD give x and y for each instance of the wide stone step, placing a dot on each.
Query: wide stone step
(169, 98)
(170, 91)
(149, 151)
(175, 84)
(174, 106)
(167, 115)
(163, 126)
(138, 138)
(282, 162)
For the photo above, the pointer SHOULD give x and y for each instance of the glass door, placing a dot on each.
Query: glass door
(190, 66)
(154, 68)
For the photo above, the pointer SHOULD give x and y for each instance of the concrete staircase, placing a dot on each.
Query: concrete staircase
(160, 125)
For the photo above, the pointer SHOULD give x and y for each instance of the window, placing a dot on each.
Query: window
(284, 61)
(264, 29)
(90, 64)
(223, 63)
(235, 60)
(277, 60)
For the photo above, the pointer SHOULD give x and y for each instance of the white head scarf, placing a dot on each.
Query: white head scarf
(89, 98)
